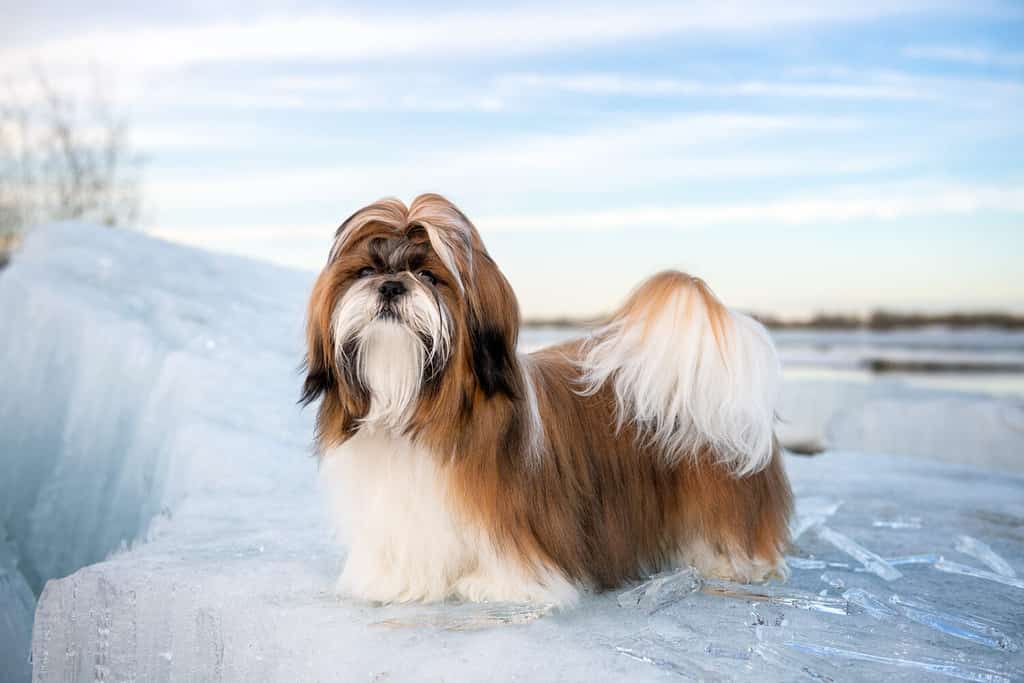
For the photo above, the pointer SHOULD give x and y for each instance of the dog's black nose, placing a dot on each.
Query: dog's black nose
(391, 288)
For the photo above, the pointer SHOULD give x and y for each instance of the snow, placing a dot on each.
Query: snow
(159, 483)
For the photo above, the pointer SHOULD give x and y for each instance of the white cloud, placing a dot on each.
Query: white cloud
(874, 203)
(838, 205)
(623, 85)
(412, 91)
(830, 83)
(978, 56)
(631, 154)
(453, 35)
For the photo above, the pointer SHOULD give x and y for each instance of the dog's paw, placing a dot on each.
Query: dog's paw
(481, 586)
(369, 584)
(733, 565)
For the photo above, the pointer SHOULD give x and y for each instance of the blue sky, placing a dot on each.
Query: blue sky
(799, 156)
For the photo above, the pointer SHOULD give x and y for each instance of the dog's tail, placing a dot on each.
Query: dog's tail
(693, 376)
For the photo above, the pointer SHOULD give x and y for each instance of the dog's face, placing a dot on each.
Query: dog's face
(408, 307)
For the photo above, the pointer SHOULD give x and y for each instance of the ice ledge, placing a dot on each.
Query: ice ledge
(247, 598)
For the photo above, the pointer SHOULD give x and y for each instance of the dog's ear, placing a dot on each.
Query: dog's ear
(344, 400)
(493, 326)
(493, 360)
(319, 378)
(491, 311)
(318, 364)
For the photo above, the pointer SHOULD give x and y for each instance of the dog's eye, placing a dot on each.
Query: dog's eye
(427, 277)
(365, 272)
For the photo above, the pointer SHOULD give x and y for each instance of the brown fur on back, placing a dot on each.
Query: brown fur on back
(596, 505)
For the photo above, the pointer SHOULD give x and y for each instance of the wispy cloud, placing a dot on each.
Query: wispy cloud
(368, 96)
(630, 154)
(828, 84)
(978, 56)
(840, 205)
(440, 35)
(414, 92)
(835, 206)
(627, 85)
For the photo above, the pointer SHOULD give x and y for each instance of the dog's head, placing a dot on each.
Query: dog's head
(409, 310)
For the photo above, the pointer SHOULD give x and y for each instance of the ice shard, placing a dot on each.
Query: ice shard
(775, 595)
(810, 512)
(973, 629)
(979, 550)
(898, 523)
(912, 559)
(950, 668)
(661, 590)
(807, 563)
(945, 565)
(833, 580)
(466, 617)
(870, 561)
(665, 656)
(870, 604)
(970, 628)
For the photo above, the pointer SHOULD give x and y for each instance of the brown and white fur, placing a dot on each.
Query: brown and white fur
(459, 467)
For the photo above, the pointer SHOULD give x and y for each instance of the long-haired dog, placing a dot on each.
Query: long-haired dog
(459, 467)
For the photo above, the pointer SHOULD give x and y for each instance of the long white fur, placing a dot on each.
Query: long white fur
(391, 505)
(391, 354)
(445, 251)
(391, 367)
(440, 221)
(685, 391)
(535, 437)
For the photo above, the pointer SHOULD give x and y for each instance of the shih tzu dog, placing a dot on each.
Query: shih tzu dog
(459, 467)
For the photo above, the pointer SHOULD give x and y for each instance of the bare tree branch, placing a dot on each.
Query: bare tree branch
(64, 158)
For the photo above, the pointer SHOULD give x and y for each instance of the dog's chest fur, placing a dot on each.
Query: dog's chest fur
(390, 501)
(407, 541)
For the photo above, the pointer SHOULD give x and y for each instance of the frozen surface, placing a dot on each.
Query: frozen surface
(892, 417)
(16, 607)
(149, 397)
(141, 381)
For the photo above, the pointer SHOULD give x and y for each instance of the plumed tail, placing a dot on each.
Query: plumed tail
(693, 376)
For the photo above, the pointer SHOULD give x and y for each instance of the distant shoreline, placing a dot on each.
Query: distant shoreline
(876, 321)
